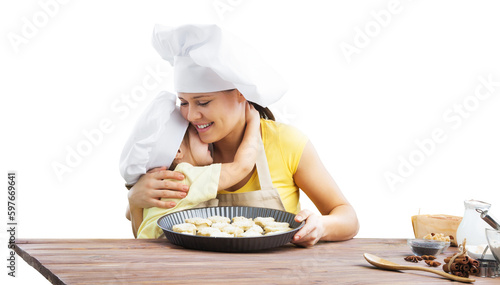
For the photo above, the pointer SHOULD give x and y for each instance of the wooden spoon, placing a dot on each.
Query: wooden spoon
(386, 264)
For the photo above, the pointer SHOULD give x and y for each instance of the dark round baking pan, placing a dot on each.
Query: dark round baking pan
(228, 244)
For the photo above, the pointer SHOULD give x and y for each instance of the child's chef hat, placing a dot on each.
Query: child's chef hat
(208, 59)
(155, 138)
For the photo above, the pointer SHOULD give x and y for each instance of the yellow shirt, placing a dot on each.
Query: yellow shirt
(284, 145)
(203, 183)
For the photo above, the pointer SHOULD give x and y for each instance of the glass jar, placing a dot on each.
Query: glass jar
(472, 226)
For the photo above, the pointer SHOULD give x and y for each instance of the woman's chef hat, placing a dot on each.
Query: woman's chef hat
(206, 58)
(155, 138)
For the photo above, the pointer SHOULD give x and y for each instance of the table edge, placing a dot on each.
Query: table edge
(32, 261)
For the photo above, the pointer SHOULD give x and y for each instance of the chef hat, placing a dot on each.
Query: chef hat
(206, 58)
(155, 138)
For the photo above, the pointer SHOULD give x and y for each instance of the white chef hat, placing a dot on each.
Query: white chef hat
(206, 58)
(155, 138)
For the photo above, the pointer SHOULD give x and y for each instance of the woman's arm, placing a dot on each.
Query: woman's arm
(151, 187)
(338, 220)
(244, 159)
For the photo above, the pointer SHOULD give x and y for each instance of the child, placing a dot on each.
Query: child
(194, 160)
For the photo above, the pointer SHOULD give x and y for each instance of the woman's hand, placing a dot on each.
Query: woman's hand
(151, 187)
(312, 231)
(338, 221)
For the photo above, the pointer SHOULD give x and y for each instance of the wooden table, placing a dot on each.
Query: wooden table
(129, 261)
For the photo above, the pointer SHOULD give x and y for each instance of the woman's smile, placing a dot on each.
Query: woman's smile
(203, 127)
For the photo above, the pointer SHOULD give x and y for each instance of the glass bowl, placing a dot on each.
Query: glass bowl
(427, 247)
(493, 237)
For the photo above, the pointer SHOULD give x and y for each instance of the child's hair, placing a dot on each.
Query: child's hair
(185, 142)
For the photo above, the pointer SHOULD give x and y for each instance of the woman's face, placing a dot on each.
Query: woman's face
(214, 115)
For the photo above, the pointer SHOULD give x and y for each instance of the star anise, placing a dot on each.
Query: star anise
(413, 258)
(428, 257)
(432, 263)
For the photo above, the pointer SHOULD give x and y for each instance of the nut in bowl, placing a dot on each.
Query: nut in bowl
(427, 247)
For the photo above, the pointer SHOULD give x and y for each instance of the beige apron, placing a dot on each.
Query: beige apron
(266, 197)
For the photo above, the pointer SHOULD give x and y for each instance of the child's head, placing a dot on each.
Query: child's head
(192, 150)
(155, 138)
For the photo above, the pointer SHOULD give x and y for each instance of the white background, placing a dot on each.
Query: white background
(362, 111)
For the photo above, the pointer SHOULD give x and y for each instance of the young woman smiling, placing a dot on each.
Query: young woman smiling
(214, 82)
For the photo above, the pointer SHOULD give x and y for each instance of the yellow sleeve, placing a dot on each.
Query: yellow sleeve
(292, 143)
(203, 182)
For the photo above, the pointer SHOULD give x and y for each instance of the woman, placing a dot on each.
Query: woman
(214, 82)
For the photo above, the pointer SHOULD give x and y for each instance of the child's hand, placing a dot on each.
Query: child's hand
(251, 114)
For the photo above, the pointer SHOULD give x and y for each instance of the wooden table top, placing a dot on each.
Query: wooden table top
(129, 261)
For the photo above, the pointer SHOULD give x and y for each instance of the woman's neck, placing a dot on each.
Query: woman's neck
(225, 149)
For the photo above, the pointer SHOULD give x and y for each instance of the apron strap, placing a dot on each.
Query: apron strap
(266, 183)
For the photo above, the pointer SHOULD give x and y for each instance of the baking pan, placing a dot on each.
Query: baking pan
(229, 244)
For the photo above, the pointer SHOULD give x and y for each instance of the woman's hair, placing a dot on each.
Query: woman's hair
(264, 112)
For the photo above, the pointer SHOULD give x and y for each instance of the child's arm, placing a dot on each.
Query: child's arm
(135, 215)
(244, 160)
(136, 219)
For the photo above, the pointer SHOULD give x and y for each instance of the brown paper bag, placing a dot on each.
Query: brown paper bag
(445, 224)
